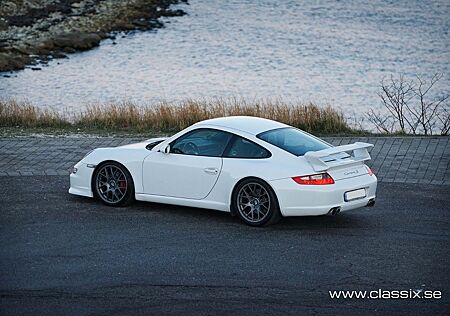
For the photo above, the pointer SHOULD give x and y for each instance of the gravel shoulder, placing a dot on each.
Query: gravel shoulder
(69, 255)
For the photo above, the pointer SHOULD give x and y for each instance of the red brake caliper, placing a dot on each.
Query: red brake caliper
(122, 184)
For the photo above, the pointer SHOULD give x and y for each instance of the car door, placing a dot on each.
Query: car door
(191, 168)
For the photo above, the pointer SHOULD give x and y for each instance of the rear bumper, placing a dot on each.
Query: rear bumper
(80, 182)
(310, 200)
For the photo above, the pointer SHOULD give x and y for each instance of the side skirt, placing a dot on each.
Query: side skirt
(183, 202)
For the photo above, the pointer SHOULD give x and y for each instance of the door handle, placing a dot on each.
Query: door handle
(211, 170)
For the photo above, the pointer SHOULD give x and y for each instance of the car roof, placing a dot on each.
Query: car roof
(249, 124)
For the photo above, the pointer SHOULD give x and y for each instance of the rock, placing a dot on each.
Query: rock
(123, 25)
(41, 51)
(59, 55)
(3, 24)
(170, 13)
(43, 26)
(36, 68)
(10, 62)
(21, 50)
(3, 43)
(76, 41)
(69, 50)
(47, 45)
(155, 24)
(8, 8)
(140, 23)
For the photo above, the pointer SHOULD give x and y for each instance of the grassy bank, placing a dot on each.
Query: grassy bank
(169, 117)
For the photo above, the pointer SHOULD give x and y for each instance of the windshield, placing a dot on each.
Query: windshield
(293, 140)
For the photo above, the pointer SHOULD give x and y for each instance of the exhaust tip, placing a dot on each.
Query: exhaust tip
(370, 203)
(334, 211)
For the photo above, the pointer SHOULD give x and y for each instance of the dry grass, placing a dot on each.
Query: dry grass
(24, 114)
(172, 117)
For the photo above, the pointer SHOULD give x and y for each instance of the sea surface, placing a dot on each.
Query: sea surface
(328, 52)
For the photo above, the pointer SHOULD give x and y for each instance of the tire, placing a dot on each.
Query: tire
(254, 201)
(113, 185)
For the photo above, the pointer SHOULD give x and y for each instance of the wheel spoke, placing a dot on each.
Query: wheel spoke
(260, 213)
(119, 193)
(115, 195)
(247, 195)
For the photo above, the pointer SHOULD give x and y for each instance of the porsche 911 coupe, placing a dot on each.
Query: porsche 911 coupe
(257, 169)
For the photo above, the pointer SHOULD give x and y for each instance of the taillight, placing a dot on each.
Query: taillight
(369, 171)
(314, 179)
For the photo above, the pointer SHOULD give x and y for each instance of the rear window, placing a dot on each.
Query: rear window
(293, 140)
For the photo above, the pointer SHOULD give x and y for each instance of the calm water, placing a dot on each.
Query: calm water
(326, 52)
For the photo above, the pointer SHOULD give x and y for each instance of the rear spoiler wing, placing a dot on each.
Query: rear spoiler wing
(359, 154)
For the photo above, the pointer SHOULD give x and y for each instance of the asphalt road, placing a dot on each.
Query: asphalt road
(62, 254)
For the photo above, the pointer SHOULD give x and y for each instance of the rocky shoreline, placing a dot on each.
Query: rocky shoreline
(35, 31)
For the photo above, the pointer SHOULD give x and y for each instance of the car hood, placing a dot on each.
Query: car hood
(142, 144)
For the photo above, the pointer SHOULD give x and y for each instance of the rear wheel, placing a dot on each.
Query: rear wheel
(113, 184)
(255, 203)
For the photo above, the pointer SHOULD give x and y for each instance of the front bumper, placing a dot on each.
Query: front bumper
(80, 182)
(310, 200)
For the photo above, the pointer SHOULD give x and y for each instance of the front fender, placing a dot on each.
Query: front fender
(130, 158)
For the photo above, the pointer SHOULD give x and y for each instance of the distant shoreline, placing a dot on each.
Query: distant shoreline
(54, 28)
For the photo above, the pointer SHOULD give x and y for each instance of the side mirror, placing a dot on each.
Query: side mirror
(166, 149)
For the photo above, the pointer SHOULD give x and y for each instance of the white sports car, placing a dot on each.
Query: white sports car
(257, 169)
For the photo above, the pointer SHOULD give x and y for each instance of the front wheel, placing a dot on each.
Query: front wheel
(113, 184)
(255, 203)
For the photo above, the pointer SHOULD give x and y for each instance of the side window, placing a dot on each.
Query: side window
(243, 148)
(201, 142)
